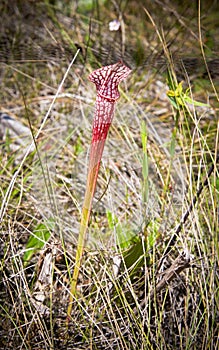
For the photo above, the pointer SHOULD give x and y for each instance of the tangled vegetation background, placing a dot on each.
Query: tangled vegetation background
(149, 274)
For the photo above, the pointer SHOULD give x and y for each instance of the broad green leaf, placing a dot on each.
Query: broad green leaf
(37, 239)
(179, 98)
(195, 103)
(134, 255)
(124, 235)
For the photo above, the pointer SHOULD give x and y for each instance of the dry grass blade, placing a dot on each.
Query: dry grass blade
(158, 190)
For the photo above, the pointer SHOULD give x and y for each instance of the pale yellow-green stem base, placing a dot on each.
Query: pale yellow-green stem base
(79, 253)
(90, 188)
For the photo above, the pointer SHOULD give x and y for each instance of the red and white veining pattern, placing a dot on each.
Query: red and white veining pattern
(100, 78)
(104, 111)
(106, 80)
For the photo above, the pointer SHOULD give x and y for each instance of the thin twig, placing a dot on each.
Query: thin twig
(178, 265)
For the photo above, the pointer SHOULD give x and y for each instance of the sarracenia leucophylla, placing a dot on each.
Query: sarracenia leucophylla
(106, 80)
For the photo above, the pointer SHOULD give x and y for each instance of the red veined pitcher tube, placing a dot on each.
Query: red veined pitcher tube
(106, 80)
